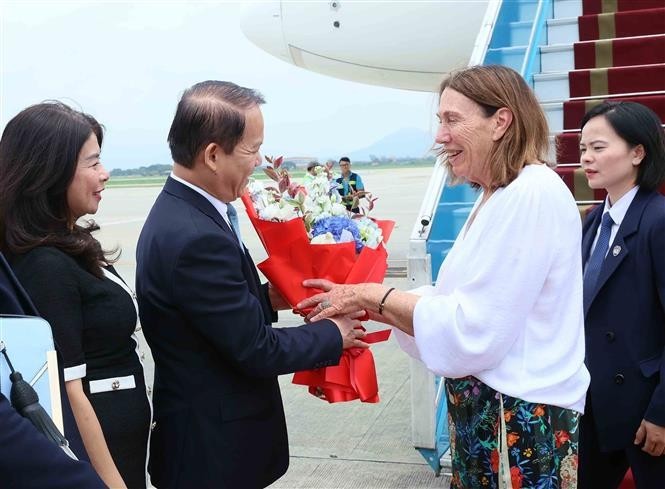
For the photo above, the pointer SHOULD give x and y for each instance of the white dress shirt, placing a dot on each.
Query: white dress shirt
(617, 213)
(216, 203)
(507, 304)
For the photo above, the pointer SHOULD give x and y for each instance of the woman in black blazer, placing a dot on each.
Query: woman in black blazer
(51, 176)
(623, 249)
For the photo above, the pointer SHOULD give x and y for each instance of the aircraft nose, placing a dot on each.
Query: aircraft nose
(262, 24)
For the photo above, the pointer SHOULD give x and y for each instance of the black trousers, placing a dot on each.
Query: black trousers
(606, 470)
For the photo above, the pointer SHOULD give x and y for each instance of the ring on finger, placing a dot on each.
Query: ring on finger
(325, 304)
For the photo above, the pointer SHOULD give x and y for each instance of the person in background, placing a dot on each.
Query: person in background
(27, 458)
(349, 184)
(623, 151)
(503, 323)
(50, 176)
(207, 318)
(311, 171)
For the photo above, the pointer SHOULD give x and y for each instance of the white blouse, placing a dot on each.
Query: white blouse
(507, 304)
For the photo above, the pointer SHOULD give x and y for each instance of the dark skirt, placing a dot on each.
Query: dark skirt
(540, 440)
(125, 416)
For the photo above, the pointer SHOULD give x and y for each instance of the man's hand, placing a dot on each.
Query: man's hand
(277, 301)
(653, 437)
(349, 328)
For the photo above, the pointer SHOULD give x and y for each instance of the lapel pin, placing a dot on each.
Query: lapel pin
(616, 250)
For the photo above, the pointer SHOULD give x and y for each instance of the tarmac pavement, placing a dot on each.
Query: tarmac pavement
(344, 445)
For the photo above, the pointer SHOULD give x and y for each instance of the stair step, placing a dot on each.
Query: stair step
(575, 179)
(511, 34)
(574, 110)
(602, 6)
(562, 31)
(512, 56)
(624, 79)
(568, 147)
(622, 24)
(567, 8)
(556, 58)
(551, 87)
(627, 51)
(554, 114)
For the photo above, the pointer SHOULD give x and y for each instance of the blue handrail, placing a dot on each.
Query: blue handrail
(539, 26)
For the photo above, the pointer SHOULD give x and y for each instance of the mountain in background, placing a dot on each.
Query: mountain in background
(404, 143)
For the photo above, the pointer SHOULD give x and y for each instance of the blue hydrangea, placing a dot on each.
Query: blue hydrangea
(335, 225)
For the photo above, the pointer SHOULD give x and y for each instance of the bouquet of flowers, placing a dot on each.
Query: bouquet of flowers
(308, 233)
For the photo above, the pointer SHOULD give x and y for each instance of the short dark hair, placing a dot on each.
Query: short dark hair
(39, 152)
(636, 124)
(210, 112)
(345, 158)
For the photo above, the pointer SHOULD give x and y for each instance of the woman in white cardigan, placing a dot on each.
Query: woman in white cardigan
(504, 322)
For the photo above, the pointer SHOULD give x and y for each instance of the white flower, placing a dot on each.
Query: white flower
(325, 238)
(338, 209)
(277, 211)
(370, 234)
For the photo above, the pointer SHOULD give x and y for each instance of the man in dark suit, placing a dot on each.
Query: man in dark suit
(27, 458)
(207, 318)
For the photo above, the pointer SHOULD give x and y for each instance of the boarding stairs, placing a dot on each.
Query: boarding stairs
(575, 54)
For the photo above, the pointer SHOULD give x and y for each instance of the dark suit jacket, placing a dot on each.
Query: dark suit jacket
(217, 405)
(27, 458)
(625, 323)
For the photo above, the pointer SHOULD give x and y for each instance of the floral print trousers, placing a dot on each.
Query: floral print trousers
(541, 440)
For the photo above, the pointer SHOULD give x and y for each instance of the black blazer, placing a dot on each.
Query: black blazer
(217, 405)
(27, 458)
(625, 323)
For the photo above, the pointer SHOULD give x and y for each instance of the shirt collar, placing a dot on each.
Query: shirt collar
(216, 203)
(620, 207)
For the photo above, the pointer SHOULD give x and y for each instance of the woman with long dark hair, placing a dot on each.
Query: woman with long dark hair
(51, 176)
(623, 249)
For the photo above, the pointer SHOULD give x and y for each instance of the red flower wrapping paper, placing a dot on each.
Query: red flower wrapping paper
(292, 259)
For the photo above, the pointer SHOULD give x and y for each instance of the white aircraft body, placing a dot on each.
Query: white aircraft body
(407, 44)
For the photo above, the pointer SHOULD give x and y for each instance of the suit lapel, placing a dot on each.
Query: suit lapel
(594, 220)
(620, 247)
(181, 191)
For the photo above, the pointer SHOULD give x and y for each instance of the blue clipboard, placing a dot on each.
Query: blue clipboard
(30, 347)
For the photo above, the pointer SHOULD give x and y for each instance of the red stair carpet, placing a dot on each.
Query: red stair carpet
(590, 7)
(627, 51)
(574, 110)
(620, 56)
(622, 24)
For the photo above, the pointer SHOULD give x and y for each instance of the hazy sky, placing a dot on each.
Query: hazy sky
(127, 63)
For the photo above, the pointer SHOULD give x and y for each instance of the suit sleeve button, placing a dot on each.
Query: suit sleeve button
(618, 379)
(610, 336)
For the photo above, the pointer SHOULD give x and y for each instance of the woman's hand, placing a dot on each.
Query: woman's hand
(335, 300)
(653, 437)
(92, 435)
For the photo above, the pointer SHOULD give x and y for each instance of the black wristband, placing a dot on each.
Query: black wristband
(383, 301)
